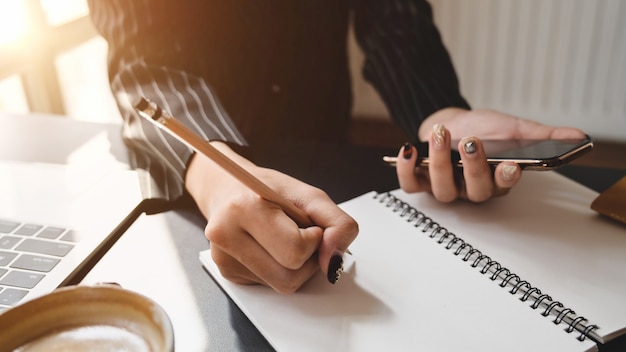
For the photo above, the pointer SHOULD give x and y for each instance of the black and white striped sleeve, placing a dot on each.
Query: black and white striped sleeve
(190, 100)
(187, 97)
(405, 59)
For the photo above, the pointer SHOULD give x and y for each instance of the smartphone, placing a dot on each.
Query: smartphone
(529, 154)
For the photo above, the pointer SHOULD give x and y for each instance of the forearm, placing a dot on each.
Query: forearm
(406, 61)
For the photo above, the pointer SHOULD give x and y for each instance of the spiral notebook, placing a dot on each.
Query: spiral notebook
(535, 270)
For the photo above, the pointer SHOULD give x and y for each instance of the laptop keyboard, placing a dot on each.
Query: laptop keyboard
(28, 252)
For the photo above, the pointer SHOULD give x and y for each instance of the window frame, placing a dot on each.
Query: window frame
(33, 58)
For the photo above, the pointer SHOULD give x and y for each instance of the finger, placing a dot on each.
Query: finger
(528, 129)
(339, 228)
(281, 279)
(507, 175)
(410, 180)
(242, 259)
(334, 244)
(405, 168)
(279, 235)
(566, 133)
(231, 269)
(440, 168)
(477, 174)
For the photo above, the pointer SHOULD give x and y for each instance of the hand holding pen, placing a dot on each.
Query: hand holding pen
(254, 214)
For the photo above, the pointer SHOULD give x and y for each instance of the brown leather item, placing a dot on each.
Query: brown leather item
(612, 202)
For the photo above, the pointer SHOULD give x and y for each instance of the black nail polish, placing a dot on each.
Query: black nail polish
(407, 151)
(335, 268)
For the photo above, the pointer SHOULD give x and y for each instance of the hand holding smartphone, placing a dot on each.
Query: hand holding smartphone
(529, 154)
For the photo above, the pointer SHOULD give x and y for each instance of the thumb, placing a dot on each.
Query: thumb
(335, 242)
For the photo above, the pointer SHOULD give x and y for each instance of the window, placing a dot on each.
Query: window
(60, 12)
(53, 61)
(12, 98)
(13, 22)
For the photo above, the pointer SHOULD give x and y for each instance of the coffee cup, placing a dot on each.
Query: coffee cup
(87, 318)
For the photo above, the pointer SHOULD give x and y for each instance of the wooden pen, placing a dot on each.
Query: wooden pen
(167, 122)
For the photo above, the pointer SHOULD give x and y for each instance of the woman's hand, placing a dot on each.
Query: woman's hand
(253, 240)
(476, 182)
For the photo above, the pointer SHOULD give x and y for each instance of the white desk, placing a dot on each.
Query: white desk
(158, 257)
(146, 260)
(60, 140)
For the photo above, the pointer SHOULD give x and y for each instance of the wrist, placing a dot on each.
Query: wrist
(204, 177)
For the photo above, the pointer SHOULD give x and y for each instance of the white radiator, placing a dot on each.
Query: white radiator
(561, 62)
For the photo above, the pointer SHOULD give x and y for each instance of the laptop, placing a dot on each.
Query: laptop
(56, 221)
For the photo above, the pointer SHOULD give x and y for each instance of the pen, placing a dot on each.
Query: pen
(167, 122)
(422, 156)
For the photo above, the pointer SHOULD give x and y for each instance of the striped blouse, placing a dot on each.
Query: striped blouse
(251, 72)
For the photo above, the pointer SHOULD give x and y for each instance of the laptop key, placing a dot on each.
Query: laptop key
(11, 296)
(8, 226)
(28, 229)
(71, 236)
(8, 242)
(51, 233)
(56, 249)
(21, 279)
(6, 258)
(35, 263)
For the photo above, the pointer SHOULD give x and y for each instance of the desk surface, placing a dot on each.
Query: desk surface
(165, 246)
(60, 140)
(158, 255)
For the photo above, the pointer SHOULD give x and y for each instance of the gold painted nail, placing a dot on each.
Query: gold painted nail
(508, 171)
(439, 133)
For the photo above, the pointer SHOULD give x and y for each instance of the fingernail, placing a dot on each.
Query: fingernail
(407, 151)
(439, 134)
(335, 268)
(508, 171)
(470, 147)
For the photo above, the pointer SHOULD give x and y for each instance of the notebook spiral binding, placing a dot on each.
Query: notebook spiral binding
(495, 270)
